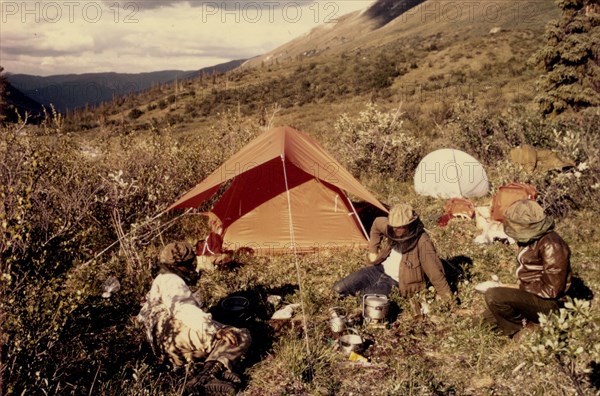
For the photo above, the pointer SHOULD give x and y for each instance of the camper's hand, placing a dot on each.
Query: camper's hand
(228, 335)
(447, 303)
(372, 257)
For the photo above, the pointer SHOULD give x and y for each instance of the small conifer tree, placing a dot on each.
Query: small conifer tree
(571, 59)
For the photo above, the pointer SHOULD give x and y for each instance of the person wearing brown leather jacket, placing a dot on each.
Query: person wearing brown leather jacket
(543, 272)
(401, 255)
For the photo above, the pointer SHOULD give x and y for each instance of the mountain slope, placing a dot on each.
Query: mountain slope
(391, 20)
(17, 101)
(71, 91)
(334, 34)
(427, 59)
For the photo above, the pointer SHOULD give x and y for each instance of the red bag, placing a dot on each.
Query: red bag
(509, 193)
(459, 207)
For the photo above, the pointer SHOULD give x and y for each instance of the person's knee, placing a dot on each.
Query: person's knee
(245, 336)
(494, 297)
(488, 296)
(339, 288)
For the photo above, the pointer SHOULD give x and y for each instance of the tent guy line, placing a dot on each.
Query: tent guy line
(296, 263)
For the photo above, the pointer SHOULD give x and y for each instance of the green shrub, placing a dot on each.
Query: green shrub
(569, 340)
(61, 206)
(374, 143)
(134, 114)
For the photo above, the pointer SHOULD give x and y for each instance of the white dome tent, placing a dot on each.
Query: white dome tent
(450, 173)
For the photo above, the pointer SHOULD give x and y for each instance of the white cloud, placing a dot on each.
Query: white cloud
(59, 37)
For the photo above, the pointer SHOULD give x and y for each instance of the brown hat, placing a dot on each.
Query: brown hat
(400, 215)
(176, 253)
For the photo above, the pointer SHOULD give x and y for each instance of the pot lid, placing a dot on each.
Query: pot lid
(351, 339)
(376, 301)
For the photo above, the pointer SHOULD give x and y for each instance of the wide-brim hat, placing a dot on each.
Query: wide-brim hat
(525, 220)
(177, 253)
(401, 215)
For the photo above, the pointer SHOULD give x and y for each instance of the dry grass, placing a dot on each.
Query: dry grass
(446, 352)
(97, 346)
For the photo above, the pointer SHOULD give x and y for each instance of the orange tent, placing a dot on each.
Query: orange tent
(287, 194)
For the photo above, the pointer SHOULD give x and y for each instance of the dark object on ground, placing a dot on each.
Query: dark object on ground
(214, 379)
(580, 290)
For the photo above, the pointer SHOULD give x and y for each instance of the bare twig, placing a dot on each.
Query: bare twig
(570, 373)
(23, 124)
(94, 381)
(276, 108)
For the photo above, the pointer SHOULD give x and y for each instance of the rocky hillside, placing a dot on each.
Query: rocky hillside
(424, 56)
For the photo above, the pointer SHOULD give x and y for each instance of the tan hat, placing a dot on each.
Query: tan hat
(400, 215)
(177, 253)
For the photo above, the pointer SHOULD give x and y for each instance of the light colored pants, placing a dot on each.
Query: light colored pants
(173, 340)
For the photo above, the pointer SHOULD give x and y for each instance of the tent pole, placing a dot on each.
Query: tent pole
(362, 227)
(293, 239)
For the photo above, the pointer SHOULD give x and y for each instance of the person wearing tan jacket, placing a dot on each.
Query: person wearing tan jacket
(401, 255)
(543, 271)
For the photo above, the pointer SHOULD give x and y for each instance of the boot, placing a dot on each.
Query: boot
(217, 387)
(232, 377)
(210, 370)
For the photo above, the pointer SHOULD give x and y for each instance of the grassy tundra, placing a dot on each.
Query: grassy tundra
(63, 204)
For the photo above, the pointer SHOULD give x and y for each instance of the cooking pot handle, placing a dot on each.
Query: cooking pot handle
(352, 329)
(342, 311)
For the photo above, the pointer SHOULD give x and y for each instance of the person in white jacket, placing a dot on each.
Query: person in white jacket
(180, 332)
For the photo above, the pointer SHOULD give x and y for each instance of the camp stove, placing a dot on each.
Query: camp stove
(375, 309)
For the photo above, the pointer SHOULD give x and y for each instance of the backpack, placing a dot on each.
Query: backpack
(509, 193)
(456, 207)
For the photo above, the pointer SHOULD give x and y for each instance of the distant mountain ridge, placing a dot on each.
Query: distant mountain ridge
(71, 91)
(16, 101)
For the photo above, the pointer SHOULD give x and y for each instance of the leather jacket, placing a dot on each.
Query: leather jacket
(544, 267)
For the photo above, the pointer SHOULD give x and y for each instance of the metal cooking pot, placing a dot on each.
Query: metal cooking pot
(351, 342)
(236, 307)
(375, 306)
(338, 320)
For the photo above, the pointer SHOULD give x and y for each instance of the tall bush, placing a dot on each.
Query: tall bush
(374, 143)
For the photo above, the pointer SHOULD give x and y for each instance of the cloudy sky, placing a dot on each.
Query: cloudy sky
(69, 36)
